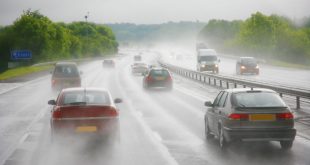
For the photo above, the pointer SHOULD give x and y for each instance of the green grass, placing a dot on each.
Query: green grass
(21, 71)
(289, 65)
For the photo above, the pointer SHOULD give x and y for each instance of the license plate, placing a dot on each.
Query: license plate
(86, 129)
(160, 78)
(262, 117)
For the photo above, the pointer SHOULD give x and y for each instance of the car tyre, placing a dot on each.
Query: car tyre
(222, 141)
(286, 145)
(207, 131)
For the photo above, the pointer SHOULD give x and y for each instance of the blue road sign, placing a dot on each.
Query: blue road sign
(21, 55)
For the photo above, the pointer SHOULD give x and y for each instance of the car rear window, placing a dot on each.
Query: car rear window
(257, 100)
(66, 71)
(88, 97)
(159, 73)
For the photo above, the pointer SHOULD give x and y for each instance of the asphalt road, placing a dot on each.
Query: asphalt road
(297, 78)
(157, 126)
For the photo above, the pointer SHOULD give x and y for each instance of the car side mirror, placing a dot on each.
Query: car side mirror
(118, 100)
(208, 104)
(51, 102)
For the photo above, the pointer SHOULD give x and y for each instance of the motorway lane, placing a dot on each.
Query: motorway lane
(297, 78)
(157, 127)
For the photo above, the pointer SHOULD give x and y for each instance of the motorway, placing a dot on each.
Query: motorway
(157, 126)
(297, 78)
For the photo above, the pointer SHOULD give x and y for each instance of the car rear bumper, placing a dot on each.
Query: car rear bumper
(260, 134)
(139, 70)
(160, 84)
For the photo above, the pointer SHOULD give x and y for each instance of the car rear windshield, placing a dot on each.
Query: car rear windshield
(66, 71)
(88, 97)
(160, 73)
(257, 100)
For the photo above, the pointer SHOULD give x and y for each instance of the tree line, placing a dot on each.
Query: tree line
(53, 41)
(268, 37)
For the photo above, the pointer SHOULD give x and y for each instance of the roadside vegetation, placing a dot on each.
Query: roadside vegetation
(54, 41)
(268, 37)
(21, 71)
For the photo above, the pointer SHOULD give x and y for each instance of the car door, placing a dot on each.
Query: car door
(211, 110)
(219, 111)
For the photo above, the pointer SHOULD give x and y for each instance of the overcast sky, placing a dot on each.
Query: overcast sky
(151, 11)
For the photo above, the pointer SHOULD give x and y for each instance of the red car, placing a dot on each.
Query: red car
(85, 111)
(158, 77)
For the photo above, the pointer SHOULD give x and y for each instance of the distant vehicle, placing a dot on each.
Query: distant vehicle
(247, 65)
(137, 58)
(249, 115)
(158, 77)
(65, 75)
(84, 111)
(139, 67)
(108, 63)
(207, 60)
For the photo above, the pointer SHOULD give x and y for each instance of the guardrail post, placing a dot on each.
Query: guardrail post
(221, 83)
(209, 81)
(204, 79)
(281, 94)
(227, 84)
(214, 82)
(297, 102)
(235, 85)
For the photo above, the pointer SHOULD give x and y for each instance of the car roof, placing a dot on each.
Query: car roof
(242, 90)
(158, 68)
(77, 89)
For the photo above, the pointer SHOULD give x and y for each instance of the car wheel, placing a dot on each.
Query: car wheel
(222, 141)
(207, 130)
(286, 145)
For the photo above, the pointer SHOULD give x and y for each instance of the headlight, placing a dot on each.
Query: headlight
(203, 65)
(242, 67)
(257, 67)
(216, 65)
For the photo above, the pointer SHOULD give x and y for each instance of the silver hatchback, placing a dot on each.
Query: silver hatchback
(249, 115)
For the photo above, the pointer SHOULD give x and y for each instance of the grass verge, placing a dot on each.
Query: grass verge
(289, 65)
(16, 72)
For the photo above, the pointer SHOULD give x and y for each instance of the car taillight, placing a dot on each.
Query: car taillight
(112, 113)
(169, 78)
(53, 82)
(56, 114)
(285, 116)
(238, 116)
(149, 78)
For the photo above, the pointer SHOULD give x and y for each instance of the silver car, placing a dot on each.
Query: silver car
(139, 68)
(249, 115)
